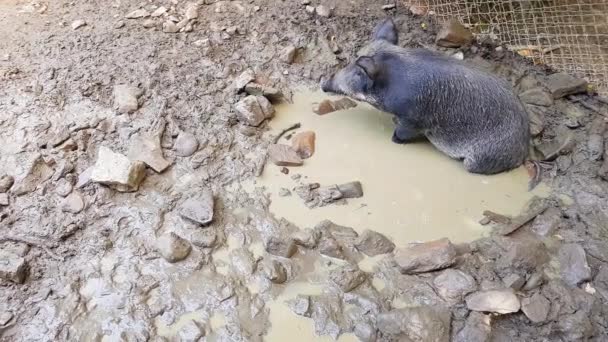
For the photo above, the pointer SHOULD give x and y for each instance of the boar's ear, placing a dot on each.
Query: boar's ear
(368, 65)
(386, 30)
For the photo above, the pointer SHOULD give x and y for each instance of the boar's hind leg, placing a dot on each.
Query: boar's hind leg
(404, 134)
(486, 165)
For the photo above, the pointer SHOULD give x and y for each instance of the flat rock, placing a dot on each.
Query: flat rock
(244, 79)
(283, 247)
(514, 281)
(172, 247)
(536, 96)
(495, 301)
(536, 308)
(477, 328)
(523, 254)
(252, 110)
(561, 84)
(574, 268)
(159, 11)
(74, 203)
(146, 148)
(453, 34)
(117, 171)
(170, 27)
(288, 54)
(185, 144)
(199, 209)
(63, 187)
(351, 189)
(78, 24)
(4, 201)
(204, 238)
(38, 171)
(347, 277)
(328, 106)
(304, 144)
(323, 11)
(283, 155)
(423, 323)
(125, 98)
(138, 13)
(425, 257)
(453, 285)
(547, 223)
(191, 11)
(6, 182)
(372, 243)
(12, 267)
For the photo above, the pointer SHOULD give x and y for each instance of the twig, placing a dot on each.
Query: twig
(290, 128)
(520, 221)
(11, 238)
(495, 217)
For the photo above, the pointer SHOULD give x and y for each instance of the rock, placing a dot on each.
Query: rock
(422, 323)
(204, 238)
(191, 11)
(149, 23)
(595, 140)
(526, 255)
(172, 247)
(574, 327)
(514, 281)
(310, 9)
(560, 85)
(573, 264)
(199, 209)
(536, 114)
(453, 285)
(458, 55)
(117, 171)
(425, 257)
(330, 247)
(283, 192)
(139, 13)
(78, 24)
(275, 272)
(347, 277)
(288, 54)
(37, 172)
(477, 328)
(12, 267)
(562, 144)
(308, 238)
(304, 144)
(159, 11)
(536, 96)
(170, 27)
(252, 110)
(388, 7)
(536, 308)
(351, 189)
(4, 201)
(327, 106)
(300, 305)
(73, 204)
(257, 89)
(191, 331)
(323, 11)
(244, 79)
(146, 148)
(495, 301)
(453, 34)
(372, 243)
(535, 280)
(603, 171)
(242, 262)
(283, 155)
(85, 177)
(547, 223)
(285, 248)
(185, 144)
(125, 98)
(6, 182)
(5, 318)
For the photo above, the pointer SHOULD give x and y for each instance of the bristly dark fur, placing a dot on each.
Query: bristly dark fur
(466, 113)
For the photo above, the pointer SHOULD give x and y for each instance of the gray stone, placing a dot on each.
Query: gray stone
(495, 301)
(74, 203)
(125, 98)
(63, 187)
(191, 331)
(323, 11)
(242, 262)
(560, 85)
(372, 243)
(477, 328)
(12, 267)
(284, 192)
(573, 264)
(252, 110)
(351, 189)
(283, 247)
(275, 272)
(6, 182)
(191, 11)
(244, 79)
(139, 13)
(170, 27)
(423, 323)
(172, 247)
(288, 54)
(328, 246)
(536, 96)
(4, 201)
(283, 155)
(425, 257)
(300, 305)
(514, 281)
(308, 238)
(536, 115)
(37, 172)
(257, 89)
(347, 277)
(199, 209)
(5, 318)
(547, 223)
(535, 280)
(525, 255)
(536, 308)
(147, 149)
(204, 238)
(595, 140)
(453, 34)
(78, 24)
(453, 285)
(159, 11)
(117, 171)
(185, 144)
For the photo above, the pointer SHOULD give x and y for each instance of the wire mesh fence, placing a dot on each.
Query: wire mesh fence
(568, 35)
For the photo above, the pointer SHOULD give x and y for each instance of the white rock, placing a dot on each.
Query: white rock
(73, 204)
(125, 98)
(117, 171)
(199, 209)
(140, 13)
(159, 11)
(173, 247)
(185, 144)
(78, 24)
(496, 301)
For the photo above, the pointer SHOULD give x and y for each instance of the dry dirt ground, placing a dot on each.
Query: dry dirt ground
(81, 261)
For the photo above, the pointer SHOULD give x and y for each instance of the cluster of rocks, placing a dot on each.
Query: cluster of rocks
(171, 20)
(314, 195)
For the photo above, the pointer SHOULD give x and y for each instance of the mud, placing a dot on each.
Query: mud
(81, 261)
